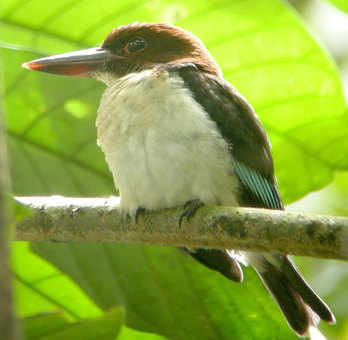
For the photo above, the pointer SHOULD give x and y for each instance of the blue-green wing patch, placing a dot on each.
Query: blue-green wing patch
(263, 189)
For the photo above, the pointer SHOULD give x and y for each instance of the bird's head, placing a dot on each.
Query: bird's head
(131, 48)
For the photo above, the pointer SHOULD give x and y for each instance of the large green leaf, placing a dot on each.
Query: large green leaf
(40, 287)
(42, 290)
(167, 293)
(264, 51)
(54, 326)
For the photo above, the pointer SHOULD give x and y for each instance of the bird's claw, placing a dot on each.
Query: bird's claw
(138, 212)
(190, 208)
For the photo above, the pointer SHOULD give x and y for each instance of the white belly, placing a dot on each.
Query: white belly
(161, 146)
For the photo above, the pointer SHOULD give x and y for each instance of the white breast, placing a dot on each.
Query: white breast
(160, 144)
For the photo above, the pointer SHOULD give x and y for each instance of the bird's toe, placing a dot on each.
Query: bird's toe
(190, 208)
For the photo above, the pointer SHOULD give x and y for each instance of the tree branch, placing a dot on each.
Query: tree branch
(58, 218)
(8, 325)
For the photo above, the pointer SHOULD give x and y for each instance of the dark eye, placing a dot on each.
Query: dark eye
(135, 45)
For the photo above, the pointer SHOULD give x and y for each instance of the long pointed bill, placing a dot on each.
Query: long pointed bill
(79, 63)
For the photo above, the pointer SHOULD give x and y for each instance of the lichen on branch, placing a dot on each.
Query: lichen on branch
(65, 219)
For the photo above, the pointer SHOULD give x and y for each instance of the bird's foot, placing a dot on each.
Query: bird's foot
(190, 208)
(138, 212)
(127, 217)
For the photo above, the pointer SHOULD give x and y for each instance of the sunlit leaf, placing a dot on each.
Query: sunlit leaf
(41, 287)
(42, 290)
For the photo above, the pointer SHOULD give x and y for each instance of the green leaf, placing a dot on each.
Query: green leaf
(341, 4)
(41, 324)
(41, 290)
(41, 287)
(55, 327)
(169, 294)
(131, 334)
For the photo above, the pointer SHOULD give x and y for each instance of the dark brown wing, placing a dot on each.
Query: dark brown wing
(241, 128)
(250, 149)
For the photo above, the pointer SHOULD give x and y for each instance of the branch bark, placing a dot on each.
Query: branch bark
(8, 326)
(64, 219)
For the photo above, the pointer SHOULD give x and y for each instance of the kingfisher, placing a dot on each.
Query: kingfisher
(175, 133)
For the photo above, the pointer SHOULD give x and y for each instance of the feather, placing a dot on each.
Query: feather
(250, 148)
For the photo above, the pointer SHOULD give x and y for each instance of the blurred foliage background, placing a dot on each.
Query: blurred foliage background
(287, 58)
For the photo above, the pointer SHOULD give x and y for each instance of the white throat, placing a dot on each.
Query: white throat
(161, 146)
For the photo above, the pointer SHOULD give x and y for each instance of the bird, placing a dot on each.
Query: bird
(175, 133)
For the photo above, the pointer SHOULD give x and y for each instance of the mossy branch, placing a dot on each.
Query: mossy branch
(65, 219)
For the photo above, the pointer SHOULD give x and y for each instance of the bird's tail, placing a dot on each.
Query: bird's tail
(301, 306)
